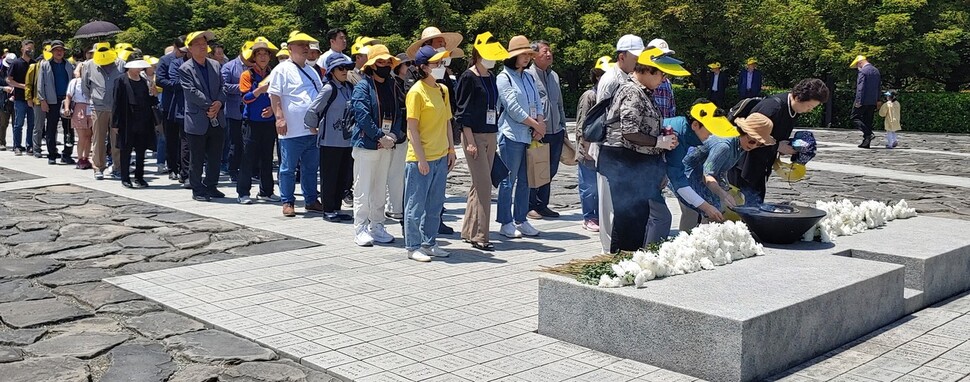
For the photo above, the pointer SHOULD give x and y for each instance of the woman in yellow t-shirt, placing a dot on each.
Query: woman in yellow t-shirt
(431, 155)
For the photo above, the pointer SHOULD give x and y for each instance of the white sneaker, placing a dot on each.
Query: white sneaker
(436, 251)
(508, 230)
(380, 234)
(363, 237)
(527, 229)
(419, 255)
(244, 200)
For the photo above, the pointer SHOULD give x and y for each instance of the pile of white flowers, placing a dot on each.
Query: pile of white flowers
(708, 246)
(844, 218)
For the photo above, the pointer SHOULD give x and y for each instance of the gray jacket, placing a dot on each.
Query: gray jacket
(98, 83)
(46, 90)
(550, 91)
(199, 95)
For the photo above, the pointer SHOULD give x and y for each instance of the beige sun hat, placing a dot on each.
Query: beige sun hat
(452, 40)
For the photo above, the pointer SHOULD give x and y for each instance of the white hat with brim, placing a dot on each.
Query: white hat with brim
(137, 64)
(452, 40)
(8, 60)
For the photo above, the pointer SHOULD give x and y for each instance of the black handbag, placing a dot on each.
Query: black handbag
(499, 171)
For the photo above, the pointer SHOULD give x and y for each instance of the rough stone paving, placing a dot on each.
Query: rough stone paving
(8, 175)
(61, 323)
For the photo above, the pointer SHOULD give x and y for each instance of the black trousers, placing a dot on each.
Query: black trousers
(862, 118)
(718, 98)
(205, 150)
(236, 145)
(256, 157)
(125, 158)
(50, 131)
(336, 176)
(634, 180)
(173, 146)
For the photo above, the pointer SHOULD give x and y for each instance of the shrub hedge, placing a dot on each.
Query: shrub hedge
(921, 111)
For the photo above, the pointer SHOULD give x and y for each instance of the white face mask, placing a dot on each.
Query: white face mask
(438, 73)
(488, 64)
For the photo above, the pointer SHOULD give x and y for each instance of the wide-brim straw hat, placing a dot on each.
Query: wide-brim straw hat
(757, 126)
(520, 45)
(452, 40)
(380, 52)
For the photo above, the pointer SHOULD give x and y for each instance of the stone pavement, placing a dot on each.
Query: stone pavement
(370, 314)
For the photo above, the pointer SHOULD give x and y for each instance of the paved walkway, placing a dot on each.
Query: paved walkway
(370, 314)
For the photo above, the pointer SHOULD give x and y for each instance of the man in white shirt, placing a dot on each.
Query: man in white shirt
(338, 43)
(293, 86)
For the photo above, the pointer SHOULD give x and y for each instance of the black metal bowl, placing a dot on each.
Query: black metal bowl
(779, 223)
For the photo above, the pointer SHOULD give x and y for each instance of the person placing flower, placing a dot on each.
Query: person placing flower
(431, 155)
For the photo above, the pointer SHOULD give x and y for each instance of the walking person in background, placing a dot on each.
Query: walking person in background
(889, 110)
(80, 118)
(431, 155)
(331, 107)
(52, 79)
(866, 94)
(259, 131)
(379, 122)
(205, 96)
(478, 116)
(520, 122)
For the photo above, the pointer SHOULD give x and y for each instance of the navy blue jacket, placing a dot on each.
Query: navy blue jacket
(367, 129)
(867, 86)
(175, 106)
(755, 84)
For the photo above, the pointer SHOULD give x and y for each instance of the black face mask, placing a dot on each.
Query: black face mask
(383, 71)
(29, 53)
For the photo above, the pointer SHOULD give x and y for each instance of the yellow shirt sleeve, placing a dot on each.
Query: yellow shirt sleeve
(414, 103)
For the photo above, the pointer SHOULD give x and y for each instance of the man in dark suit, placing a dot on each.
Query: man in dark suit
(205, 94)
(717, 84)
(172, 104)
(749, 81)
(866, 94)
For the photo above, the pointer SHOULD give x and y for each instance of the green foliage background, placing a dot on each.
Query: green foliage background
(918, 45)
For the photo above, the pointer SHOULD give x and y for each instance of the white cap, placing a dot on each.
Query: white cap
(660, 43)
(137, 64)
(630, 43)
(315, 46)
(8, 60)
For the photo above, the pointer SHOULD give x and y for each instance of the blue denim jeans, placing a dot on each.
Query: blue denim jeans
(513, 154)
(424, 196)
(588, 195)
(21, 112)
(539, 197)
(302, 150)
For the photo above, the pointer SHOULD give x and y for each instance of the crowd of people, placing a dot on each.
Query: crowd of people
(379, 131)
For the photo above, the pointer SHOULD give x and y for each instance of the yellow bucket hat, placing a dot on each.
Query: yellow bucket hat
(751, 61)
(489, 47)
(260, 43)
(360, 43)
(247, 50)
(297, 36)
(656, 58)
(124, 50)
(380, 52)
(791, 172)
(714, 65)
(284, 52)
(47, 52)
(856, 61)
(103, 54)
(152, 60)
(207, 35)
(604, 63)
(714, 120)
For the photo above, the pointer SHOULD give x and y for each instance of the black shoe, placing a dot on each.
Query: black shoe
(68, 160)
(200, 198)
(865, 142)
(127, 184)
(331, 217)
(547, 213)
(345, 217)
(52, 161)
(214, 193)
(141, 183)
(445, 230)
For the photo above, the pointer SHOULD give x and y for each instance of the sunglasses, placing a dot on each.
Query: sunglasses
(344, 67)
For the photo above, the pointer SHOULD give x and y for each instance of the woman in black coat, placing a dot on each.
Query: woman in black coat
(133, 119)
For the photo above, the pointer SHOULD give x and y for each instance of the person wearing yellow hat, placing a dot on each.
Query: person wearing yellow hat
(750, 80)
(631, 156)
(98, 81)
(205, 121)
(53, 76)
(173, 110)
(259, 132)
(772, 122)
(477, 115)
(663, 95)
(379, 107)
(233, 148)
(866, 95)
(294, 86)
(588, 194)
(717, 84)
(284, 53)
(359, 54)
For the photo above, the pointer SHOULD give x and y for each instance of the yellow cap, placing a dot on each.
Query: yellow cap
(283, 53)
(103, 54)
(152, 60)
(791, 172)
(856, 61)
(490, 48)
(208, 36)
(656, 58)
(124, 50)
(752, 61)
(297, 36)
(714, 119)
(360, 43)
(604, 63)
(714, 65)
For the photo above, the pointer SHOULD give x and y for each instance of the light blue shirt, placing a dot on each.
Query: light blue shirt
(518, 97)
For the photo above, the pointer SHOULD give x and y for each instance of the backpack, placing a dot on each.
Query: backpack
(743, 108)
(596, 122)
(344, 124)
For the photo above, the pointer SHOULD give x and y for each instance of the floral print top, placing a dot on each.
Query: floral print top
(633, 106)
